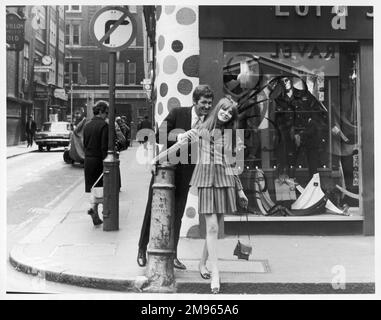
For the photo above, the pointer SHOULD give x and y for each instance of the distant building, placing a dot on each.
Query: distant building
(30, 90)
(86, 67)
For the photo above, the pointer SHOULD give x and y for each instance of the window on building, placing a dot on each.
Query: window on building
(301, 118)
(132, 9)
(73, 8)
(132, 73)
(72, 72)
(26, 62)
(61, 39)
(75, 72)
(67, 34)
(60, 77)
(120, 72)
(72, 34)
(104, 73)
(53, 33)
(40, 17)
(52, 73)
(76, 35)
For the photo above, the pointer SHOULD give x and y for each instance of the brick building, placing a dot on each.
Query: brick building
(35, 73)
(86, 68)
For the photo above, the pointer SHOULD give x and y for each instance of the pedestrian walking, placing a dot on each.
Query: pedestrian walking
(95, 142)
(216, 180)
(30, 130)
(126, 130)
(178, 118)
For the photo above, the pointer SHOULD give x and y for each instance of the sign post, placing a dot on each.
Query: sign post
(113, 28)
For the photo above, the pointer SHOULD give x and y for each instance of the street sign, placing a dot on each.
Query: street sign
(60, 94)
(15, 31)
(43, 69)
(113, 28)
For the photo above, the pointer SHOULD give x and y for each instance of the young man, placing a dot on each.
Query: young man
(178, 118)
(95, 142)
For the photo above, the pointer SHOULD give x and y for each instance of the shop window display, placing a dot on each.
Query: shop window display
(298, 105)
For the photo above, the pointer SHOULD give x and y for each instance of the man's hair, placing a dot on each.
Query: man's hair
(100, 106)
(202, 90)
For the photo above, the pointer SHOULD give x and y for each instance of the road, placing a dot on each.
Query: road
(36, 183)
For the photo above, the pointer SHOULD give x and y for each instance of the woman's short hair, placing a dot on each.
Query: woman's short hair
(100, 107)
(202, 90)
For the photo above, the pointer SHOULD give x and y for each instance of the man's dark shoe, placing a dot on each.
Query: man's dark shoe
(94, 215)
(178, 264)
(142, 258)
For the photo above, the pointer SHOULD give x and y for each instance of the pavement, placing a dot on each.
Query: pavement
(67, 248)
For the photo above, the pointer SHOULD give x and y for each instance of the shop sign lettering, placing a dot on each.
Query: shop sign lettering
(15, 31)
(310, 50)
(339, 14)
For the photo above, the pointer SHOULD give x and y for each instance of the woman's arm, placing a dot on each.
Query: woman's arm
(183, 139)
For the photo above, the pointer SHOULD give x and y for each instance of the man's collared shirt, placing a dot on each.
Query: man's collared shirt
(196, 120)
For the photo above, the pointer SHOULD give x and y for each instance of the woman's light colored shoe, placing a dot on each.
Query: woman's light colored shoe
(215, 284)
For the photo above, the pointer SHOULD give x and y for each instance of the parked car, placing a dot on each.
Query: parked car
(53, 135)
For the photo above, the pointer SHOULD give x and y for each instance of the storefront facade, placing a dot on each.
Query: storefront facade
(252, 53)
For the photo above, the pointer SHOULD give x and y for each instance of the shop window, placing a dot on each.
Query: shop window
(298, 104)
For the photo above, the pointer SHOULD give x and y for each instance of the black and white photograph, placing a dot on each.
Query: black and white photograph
(189, 151)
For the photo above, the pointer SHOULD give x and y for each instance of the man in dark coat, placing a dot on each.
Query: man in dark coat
(30, 130)
(95, 142)
(178, 118)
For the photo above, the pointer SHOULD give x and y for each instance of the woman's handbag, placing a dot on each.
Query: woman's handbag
(97, 192)
(243, 251)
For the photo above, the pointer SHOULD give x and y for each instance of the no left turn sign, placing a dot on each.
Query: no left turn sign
(113, 28)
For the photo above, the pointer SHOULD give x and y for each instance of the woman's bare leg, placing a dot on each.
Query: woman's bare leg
(211, 240)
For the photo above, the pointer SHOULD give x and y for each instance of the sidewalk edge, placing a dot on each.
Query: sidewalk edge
(21, 263)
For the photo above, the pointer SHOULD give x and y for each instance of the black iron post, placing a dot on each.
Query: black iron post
(111, 163)
(160, 272)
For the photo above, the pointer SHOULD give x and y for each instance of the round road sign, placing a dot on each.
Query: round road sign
(113, 28)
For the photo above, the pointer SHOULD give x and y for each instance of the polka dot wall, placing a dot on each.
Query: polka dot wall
(177, 57)
(177, 65)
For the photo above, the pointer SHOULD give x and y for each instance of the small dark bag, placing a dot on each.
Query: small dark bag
(242, 251)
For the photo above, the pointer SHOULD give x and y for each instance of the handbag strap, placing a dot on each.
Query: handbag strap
(247, 219)
(97, 181)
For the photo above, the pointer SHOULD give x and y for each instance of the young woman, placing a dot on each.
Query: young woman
(214, 177)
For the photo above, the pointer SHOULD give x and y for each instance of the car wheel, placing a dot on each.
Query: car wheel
(48, 148)
(40, 148)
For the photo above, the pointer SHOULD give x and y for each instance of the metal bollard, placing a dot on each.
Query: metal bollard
(159, 271)
(111, 193)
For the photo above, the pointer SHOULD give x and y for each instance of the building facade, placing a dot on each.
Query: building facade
(86, 68)
(326, 53)
(35, 74)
